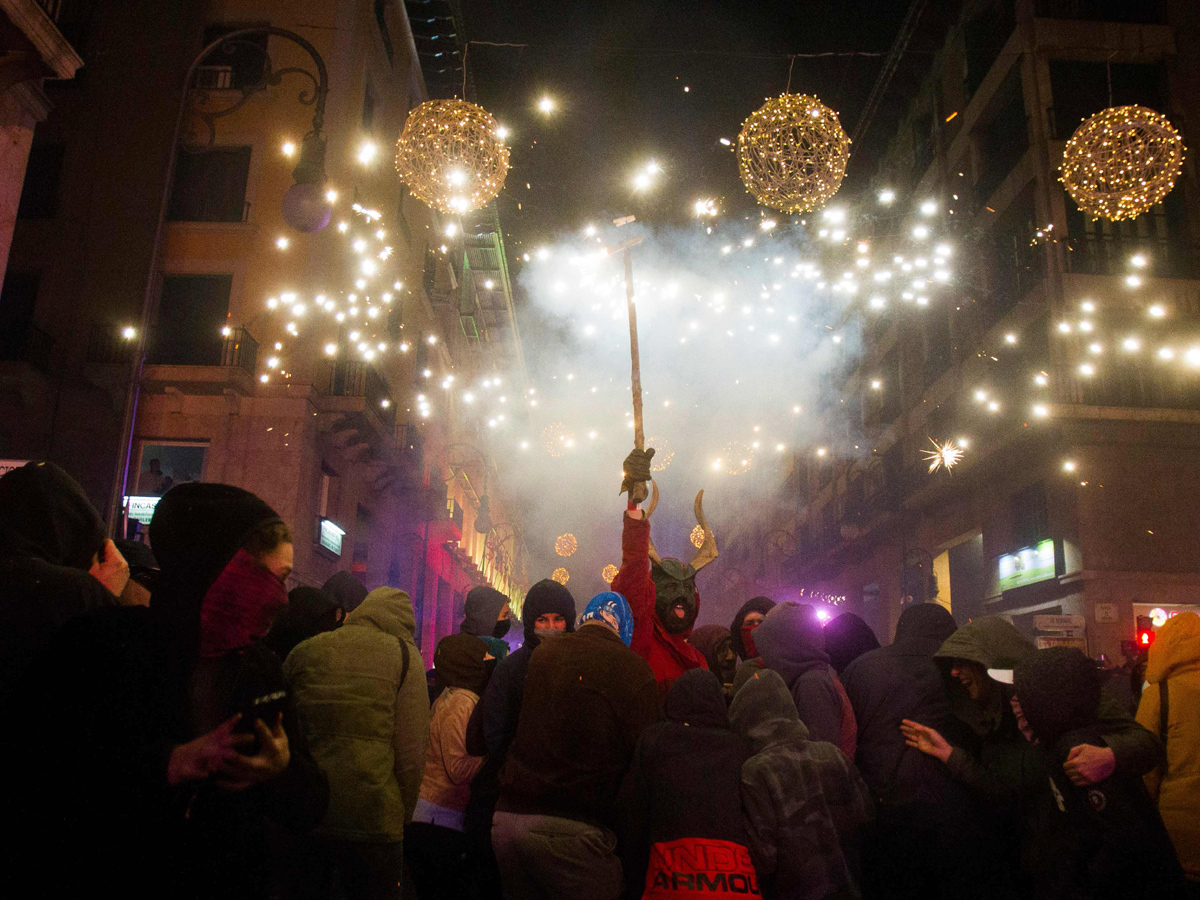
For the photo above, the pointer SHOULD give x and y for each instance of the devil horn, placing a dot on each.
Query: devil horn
(708, 550)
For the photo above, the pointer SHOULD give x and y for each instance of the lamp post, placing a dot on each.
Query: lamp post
(304, 206)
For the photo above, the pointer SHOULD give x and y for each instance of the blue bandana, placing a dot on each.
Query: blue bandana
(611, 609)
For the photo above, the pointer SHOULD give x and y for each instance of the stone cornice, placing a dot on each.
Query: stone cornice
(55, 50)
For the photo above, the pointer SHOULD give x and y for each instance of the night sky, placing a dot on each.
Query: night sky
(618, 71)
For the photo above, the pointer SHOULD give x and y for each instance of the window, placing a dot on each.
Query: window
(1003, 139)
(939, 347)
(18, 298)
(238, 64)
(362, 534)
(1080, 89)
(192, 310)
(327, 497)
(43, 172)
(384, 35)
(1030, 523)
(985, 36)
(164, 465)
(210, 186)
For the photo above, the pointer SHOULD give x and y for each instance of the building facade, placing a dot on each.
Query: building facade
(1057, 363)
(344, 424)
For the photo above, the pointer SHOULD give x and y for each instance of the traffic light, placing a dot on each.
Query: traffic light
(1145, 632)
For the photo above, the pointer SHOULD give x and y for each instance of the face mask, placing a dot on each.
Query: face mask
(501, 629)
(748, 641)
(545, 634)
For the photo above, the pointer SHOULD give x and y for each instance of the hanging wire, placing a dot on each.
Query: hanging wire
(792, 57)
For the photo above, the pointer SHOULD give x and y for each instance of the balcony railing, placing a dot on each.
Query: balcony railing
(29, 345)
(1139, 388)
(237, 349)
(355, 378)
(71, 17)
(1145, 12)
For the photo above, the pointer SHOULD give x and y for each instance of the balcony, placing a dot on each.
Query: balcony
(233, 348)
(106, 347)
(355, 378)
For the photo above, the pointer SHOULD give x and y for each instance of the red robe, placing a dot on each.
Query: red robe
(669, 655)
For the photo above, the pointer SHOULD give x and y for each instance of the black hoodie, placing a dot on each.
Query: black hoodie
(1105, 841)
(493, 722)
(682, 797)
(901, 682)
(49, 533)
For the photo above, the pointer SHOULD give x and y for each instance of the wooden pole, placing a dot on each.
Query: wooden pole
(639, 435)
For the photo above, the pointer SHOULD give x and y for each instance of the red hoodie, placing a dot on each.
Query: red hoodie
(669, 655)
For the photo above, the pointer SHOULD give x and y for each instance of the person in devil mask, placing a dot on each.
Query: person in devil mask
(661, 592)
(487, 616)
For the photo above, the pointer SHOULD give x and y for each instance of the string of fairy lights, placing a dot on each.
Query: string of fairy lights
(747, 297)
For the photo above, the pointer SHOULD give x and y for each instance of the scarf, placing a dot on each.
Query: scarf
(240, 606)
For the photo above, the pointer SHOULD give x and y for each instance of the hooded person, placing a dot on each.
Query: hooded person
(310, 611)
(1170, 708)
(847, 637)
(548, 612)
(487, 616)
(925, 838)
(366, 715)
(748, 618)
(682, 834)
(435, 847)
(790, 642)
(51, 538)
(588, 698)
(1104, 840)
(715, 643)
(804, 803)
(983, 719)
(183, 738)
(345, 590)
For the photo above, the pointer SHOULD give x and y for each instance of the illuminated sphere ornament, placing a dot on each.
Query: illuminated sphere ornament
(609, 573)
(1121, 162)
(562, 576)
(792, 153)
(450, 155)
(566, 545)
(557, 439)
(697, 537)
(663, 454)
(736, 458)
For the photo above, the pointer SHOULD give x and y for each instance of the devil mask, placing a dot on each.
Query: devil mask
(675, 599)
(676, 602)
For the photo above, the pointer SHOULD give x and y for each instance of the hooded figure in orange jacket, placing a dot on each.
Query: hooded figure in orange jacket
(661, 592)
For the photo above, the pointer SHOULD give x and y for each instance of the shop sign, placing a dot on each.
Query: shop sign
(331, 537)
(1027, 566)
(7, 465)
(141, 509)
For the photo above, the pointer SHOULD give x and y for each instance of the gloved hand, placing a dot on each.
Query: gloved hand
(636, 471)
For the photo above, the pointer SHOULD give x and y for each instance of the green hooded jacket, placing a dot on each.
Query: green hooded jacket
(366, 719)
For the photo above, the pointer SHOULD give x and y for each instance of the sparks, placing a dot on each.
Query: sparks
(943, 456)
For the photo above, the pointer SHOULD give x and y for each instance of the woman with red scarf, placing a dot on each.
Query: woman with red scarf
(148, 758)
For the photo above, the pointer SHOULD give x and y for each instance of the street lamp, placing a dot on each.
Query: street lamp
(305, 206)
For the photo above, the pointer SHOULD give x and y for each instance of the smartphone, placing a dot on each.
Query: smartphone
(267, 708)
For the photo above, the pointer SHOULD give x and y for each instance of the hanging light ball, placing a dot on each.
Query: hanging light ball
(697, 537)
(558, 440)
(561, 575)
(451, 156)
(609, 573)
(792, 153)
(1121, 162)
(736, 458)
(663, 454)
(566, 544)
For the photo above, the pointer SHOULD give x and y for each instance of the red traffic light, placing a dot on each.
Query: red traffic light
(1145, 632)
(1145, 638)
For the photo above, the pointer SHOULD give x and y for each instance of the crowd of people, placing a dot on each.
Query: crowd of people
(179, 725)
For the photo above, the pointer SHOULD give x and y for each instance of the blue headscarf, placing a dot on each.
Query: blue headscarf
(611, 609)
